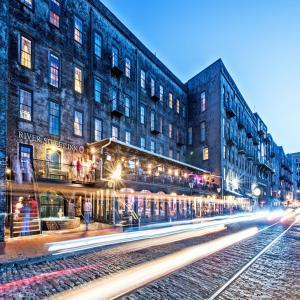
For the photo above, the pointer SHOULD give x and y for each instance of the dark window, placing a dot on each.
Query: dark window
(54, 118)
(98, 129)
(54, 16)
(98, 44)
(54, 69)
(202, 131)
(25, 105)
(97, 90)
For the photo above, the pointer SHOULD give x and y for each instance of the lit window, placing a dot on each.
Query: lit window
(25, 105)
(203, 101)
(152, 87)
(78, 80)
(161, 93)
(190, 136)
(115, 57)
(171, 100)
(177, 106)
(127, 107)
(54, 116)
(170, 130)
(205, 153)
(97, 44)
(202, 131)
(143, 143)
(143, 79)
(97, 90)
(127, 67)
(78, 30)
(127, 137)
(114, 132)
(54, 15)
(152, 146)
(54, 66)
(28, 3)
(78, 123)
(26, 54)
(98, 130)
(142, 115)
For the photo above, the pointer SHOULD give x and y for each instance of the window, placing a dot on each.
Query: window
(114, 132)
(78, 123)
(25, 105)
(127, 67)
(203, 101)
(205, 153)
(143, 79)
(97, 90)
(142, 115)
(161, 125)
(177, 106)
(161, 93)
(183, 111)
(98, 130)
(170, 130)
(54, 116)
(114, 99)
(202, 131)
(152, 87)
(171, 153)
(152, 120)
(25, 52)
(28, 3)
(152, 146)
(54, 7)
(178, 155)
(160, 150)
(143, 143)
(127, 107)
(54, 69)
(115, 57)
(127, 137)
(171, 100)
(78, 80)
(25, 156)
(97, 44)
(190, 136)
(78, 30)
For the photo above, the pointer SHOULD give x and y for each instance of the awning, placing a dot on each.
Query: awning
(236, 194)
(141, 151)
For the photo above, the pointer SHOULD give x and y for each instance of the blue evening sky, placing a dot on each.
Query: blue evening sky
(258, 41)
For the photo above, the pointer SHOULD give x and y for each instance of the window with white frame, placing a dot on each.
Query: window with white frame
(127, 137)
(115, 57)
(54, 69)
(143, 143)
(152, 146)
(203, 101)
(98, 129)
(77, 30)
(143, 79)
(25, 105)
(78, 80)
(127, 67)
(161, 93)
(170, 100)
(97, 44)
(54, 12)
(177, 106)
(171, 153)
(25, 52)
(142, 115)
(114, 132)
(127, 106)
(152, 120)
(161, 125)
(170, 131)
(54, 118)
(152, 87)
(78, 123)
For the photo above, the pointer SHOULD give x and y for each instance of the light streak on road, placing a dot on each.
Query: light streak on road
(101, 241)
(122, 283)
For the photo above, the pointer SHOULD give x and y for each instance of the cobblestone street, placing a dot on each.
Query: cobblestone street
(201, 279)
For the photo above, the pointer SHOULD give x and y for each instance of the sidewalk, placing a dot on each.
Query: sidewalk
(26, 248)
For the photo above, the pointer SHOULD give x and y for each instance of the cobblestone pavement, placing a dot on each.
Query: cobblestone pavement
(275, 275)
(201, 279)
(37, 281)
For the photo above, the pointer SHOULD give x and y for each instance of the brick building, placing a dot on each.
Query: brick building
(84, 102)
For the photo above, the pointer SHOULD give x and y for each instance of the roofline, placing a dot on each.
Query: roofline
(150, 153)
(109, 16)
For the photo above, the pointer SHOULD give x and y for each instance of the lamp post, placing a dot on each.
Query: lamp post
(115, 177)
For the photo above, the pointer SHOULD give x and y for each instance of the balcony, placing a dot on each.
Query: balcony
(241, 150)
(117, 108)
(260, 132)
(230, 111)
(116, 67)
(155, 128)
(154, 94)
(241, 123)
(180, 140)
(249, 133)
(255, 141)
(265, 165)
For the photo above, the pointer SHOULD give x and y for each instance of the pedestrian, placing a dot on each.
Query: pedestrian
(25, 213)
(87, 211)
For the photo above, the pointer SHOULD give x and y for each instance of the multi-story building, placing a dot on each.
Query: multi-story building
(93, 124)
(294, 159)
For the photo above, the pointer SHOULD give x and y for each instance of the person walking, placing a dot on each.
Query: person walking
(87, 211)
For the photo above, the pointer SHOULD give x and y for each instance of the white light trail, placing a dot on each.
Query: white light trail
(121, 283)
